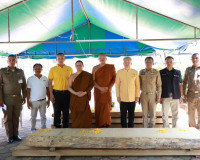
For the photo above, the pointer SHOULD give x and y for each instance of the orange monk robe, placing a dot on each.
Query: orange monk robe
(81, 114)
(104, 77)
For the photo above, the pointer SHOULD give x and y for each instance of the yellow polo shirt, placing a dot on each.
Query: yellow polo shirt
(60, 76)
(127, 85)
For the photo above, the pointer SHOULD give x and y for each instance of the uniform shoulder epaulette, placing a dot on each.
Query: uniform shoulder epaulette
(188, 68)
(4, 69)
(142, 72)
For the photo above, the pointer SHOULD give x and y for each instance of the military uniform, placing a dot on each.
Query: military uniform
(12, 83)
(192, 80)
(150, 84)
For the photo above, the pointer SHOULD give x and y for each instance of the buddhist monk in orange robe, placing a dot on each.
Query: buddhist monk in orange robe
(104, 76)
(80, 85)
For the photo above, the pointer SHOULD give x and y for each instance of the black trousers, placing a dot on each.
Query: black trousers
(130, 107)
(61, 104)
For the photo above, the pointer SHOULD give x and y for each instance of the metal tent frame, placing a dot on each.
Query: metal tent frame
(100, 40)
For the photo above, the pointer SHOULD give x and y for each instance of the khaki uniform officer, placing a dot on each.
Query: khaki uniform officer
(150, 85)
(192, 80)
(12, 82)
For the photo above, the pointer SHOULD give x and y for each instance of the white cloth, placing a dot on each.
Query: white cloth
(38, 87)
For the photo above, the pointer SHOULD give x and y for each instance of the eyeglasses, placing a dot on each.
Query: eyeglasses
(102, 57)
(195, 58)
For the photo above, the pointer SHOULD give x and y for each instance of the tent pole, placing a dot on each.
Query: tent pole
(16, 4)
(123, 46)
(88, 21)
(102, 40)
(72, 20)
(8, 26)
(69, 55)
(55, 47)
(159, 14)
(195, 32)
(81, 4)
(89, 36)
(136, 22)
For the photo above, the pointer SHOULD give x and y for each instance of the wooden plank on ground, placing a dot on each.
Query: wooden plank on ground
(118, 125)
(137, 114)
(116, 138)
(136, 120)
(23, 150)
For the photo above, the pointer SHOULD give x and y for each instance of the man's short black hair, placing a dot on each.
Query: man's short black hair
(149, 58)
(37, 64)
(169, 57)
(102, 54)
(13, 56)
(59, 54)
(79, 61)
(195, 54)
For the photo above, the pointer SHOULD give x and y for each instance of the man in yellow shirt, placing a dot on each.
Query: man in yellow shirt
(127, 92)
(59, 95)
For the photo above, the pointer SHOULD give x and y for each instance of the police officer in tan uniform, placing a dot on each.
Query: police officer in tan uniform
(192, 81)
(12, 83)
(150, 83)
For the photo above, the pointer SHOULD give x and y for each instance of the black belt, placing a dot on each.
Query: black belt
(148, 92)
(60, 91)
(41, 99)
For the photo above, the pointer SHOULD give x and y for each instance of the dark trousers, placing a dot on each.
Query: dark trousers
(130, 107)
(61, 104)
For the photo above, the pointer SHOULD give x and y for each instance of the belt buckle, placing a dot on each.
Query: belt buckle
(14, 95)
(196, 91)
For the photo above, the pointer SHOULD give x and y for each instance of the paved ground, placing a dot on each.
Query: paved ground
(24, 131)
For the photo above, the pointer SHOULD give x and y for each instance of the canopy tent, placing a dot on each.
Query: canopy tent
(42, 28)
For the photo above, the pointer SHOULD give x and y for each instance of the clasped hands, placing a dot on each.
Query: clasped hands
(81, 93)
(103, 89)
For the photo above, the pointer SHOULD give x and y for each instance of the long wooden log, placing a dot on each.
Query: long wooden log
(117, 138)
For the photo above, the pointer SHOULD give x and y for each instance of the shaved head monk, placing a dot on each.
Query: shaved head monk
(80, 85)
(104, 76)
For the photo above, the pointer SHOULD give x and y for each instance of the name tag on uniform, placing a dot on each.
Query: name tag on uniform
(20, 81)
(176, 75)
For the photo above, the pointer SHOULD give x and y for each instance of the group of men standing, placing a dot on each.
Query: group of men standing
(69, 90)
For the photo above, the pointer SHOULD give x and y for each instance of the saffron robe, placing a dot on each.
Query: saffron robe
(104, 77)
(81, 114)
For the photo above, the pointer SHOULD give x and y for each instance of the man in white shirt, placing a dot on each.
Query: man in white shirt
(37, 91)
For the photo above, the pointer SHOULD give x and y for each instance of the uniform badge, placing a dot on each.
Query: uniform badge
(20, 81)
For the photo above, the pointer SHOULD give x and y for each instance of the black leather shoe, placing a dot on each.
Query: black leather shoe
(17, 138)
(10, 140)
